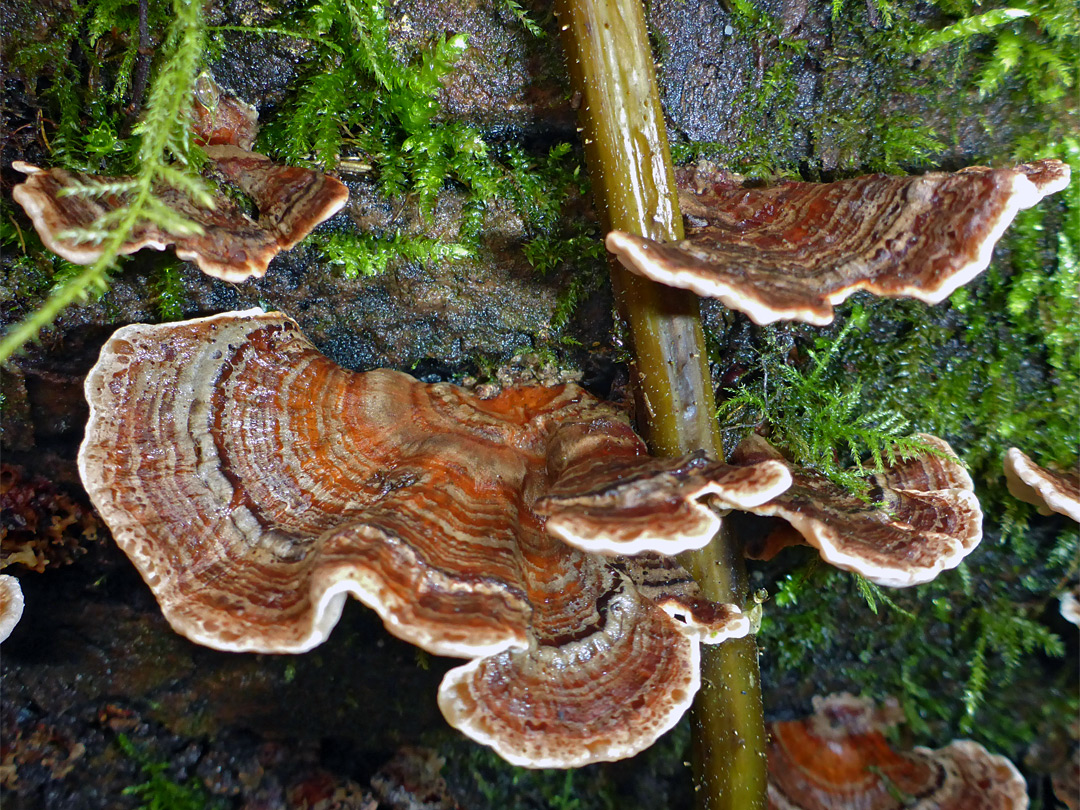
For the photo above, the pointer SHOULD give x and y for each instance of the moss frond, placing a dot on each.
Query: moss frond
(361, 255)
(818, 422)
(163, 144)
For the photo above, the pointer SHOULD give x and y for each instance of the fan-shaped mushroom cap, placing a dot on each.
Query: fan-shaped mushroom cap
(255, 484)
(615, 505)
(792, 251)
(930, 521)
(232, 246)
(11, 604)
(1046, 489)
(838, 759)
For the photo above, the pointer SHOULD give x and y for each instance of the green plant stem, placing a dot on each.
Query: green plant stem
(611, 69)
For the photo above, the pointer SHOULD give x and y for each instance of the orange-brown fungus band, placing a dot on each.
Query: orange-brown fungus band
(793, 250)
(839, 759)
(922, 518)
(255, 484)
(229, 244)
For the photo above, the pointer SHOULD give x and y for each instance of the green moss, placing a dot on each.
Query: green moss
(159, 792)
(821, 421)
(361, 255)
(84, 72)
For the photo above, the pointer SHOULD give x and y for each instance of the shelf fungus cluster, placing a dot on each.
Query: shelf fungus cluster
(793, 250)
(840, 759)
(255, 484)
(921, 518)
(225, 241)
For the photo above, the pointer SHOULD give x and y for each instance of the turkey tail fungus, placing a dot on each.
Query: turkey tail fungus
(840, 759)
(255, 484)
(793, 250)
(220, 238)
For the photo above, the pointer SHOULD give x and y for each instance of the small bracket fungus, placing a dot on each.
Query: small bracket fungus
(1047, 490)
(230, 245)
(616, 506)
(839, 759)
(255, 484)
(926, 518)
(11, 604)
(793, 250)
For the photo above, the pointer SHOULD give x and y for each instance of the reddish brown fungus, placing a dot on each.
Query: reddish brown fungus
(793, 250)
(839, 759)
(923, 517)
(255, 484)
(227, 243)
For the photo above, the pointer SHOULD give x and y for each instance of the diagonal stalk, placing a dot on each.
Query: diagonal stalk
(611, 69)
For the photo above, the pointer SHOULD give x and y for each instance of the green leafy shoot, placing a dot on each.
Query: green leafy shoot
(361, 255)
(168, 290)
(359, 96)
(969, 26)
(873, 594)
(1010, 637)
(1034, 41)
(523, 17)
(164, 156)
(817, 422)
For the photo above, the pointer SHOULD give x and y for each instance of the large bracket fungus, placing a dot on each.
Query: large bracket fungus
(227, 243)
(839, 759)
(922, 518)
(793, 250)
(255, 484)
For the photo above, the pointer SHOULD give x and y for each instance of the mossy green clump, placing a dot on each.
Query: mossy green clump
(159, 791)
(821, 422)
(357, 93)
